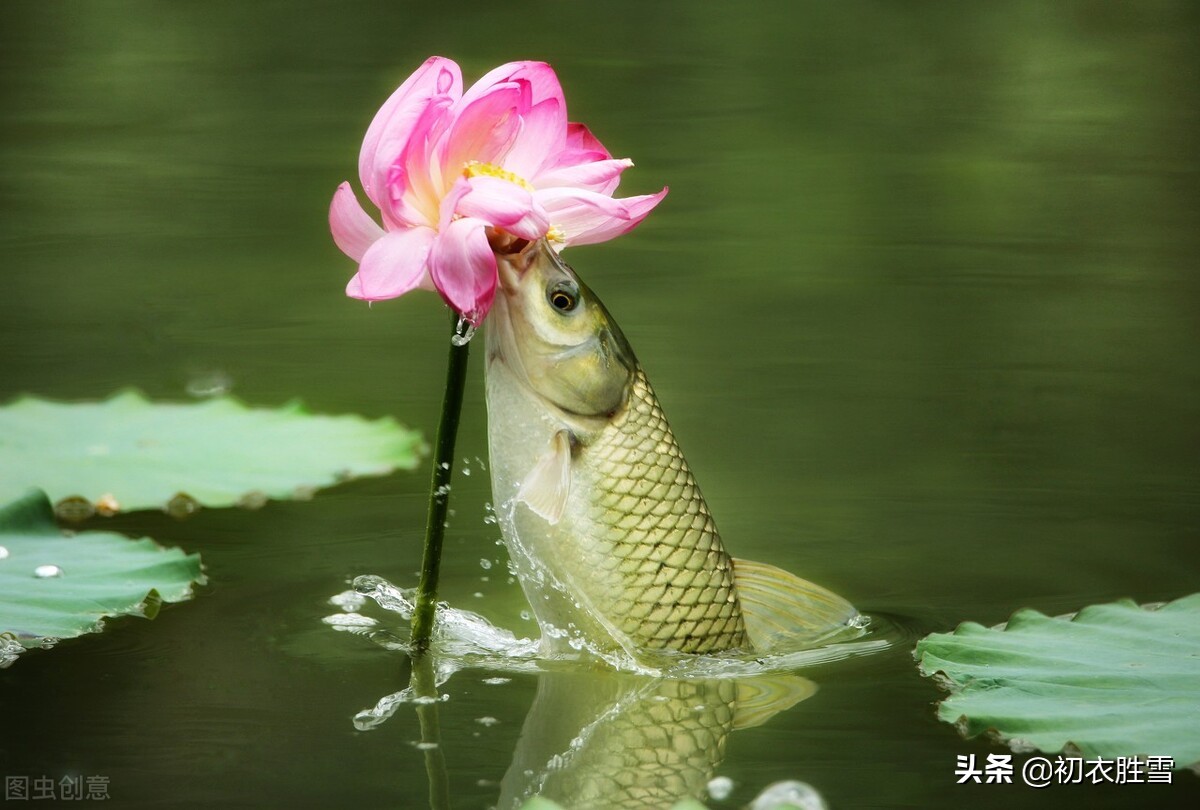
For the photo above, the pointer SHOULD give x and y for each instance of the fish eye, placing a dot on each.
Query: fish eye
(563, 297)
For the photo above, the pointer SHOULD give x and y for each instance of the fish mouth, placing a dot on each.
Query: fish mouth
(514, 258)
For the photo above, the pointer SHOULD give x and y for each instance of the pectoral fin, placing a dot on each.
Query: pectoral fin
(548, 484)
(782, 610)
(760, 699)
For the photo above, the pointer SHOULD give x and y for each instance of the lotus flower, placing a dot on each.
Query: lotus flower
(448, 169)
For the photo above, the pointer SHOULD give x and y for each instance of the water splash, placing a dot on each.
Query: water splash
(791, 793)
(719, 788)
(47, 571)
(463, 638)
(10, 648)
(464, 330)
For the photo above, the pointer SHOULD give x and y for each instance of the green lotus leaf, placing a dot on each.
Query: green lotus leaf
(1114, 680)
(128, 453)
(55, 585)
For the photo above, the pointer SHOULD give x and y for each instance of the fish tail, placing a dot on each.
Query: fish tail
(783, 611)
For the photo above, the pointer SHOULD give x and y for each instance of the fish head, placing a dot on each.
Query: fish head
(556, 335)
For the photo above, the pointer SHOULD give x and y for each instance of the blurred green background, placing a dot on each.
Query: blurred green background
(921, 306)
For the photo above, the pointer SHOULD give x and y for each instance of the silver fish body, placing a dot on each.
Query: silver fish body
(612, 539)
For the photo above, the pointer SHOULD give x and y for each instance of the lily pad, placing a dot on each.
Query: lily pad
(55, 586)
(1114, 680)
(127, 453)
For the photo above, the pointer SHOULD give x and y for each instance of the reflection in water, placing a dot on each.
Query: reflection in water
(603, 740)
(594, 738)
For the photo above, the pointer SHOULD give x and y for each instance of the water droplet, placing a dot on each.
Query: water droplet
(477, 595)
(348, 601)
(719, 788)
(351, 622)
(463, 333)
(442, 491)
(74, 509)
(485, 564)
(47, 571)
(182, 505)
(487, 721)
(445, 465)
(789, 793)
(497, 681)
(466, 471)
(425, 746)
(3, 553)
(367, 585)
(525, 615)
(859, 621)
(254, 499)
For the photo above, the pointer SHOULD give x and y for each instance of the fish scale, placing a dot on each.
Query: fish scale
(645, 514)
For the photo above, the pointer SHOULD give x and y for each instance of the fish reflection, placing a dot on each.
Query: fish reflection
(601, 740)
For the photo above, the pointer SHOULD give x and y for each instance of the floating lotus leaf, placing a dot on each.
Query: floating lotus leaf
(128, 453)
(1114, 680)
(55, 586)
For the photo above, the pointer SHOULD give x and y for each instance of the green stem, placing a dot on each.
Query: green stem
(439, 489)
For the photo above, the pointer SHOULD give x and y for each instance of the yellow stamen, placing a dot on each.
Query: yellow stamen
(474, 168)
(555, 234)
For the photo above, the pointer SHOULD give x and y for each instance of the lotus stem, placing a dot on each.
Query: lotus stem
(439, 487)
(424, 684)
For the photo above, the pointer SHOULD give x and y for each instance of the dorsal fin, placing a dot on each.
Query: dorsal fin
(760, 699)
(782, 610)
(548, 484)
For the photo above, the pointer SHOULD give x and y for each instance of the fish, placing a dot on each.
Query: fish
(606, 527)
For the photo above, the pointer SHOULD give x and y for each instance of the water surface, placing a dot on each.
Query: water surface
(921, 307)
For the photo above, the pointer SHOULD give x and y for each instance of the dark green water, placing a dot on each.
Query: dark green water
(921, 306)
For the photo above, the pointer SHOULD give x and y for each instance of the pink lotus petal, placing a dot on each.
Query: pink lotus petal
(449, 206)
(437, 77)
(586, 217)
(411, 193)
(543, 83)
(463, 268)
(600, 176)
(581, 139)
(505, 205)
(541, 137)
(483, 129)
(353, 229)
(394, 265)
